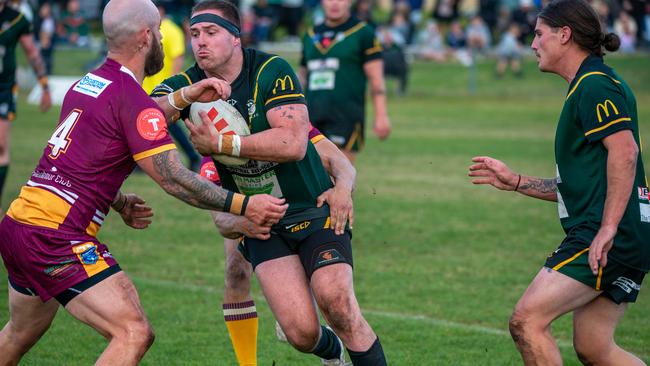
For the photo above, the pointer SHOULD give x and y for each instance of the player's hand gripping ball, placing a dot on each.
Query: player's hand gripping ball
(225, 120)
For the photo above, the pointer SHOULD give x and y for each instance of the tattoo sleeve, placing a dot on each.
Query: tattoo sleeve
(187, 185)
(543, 186)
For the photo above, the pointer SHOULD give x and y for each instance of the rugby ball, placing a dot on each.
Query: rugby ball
(226, 120)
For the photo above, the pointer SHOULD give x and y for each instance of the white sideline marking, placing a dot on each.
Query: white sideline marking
(385, 314)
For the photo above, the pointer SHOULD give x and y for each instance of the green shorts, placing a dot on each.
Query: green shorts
(8, 103)
(347, 136)
(311, 239)
(617, 281)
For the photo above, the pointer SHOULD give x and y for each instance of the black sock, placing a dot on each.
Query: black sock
(328, 346)
(3, 175)
(374, 356)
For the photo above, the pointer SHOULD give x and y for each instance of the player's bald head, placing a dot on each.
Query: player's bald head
(122, 19)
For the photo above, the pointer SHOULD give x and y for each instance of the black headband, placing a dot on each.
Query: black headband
(214, 18)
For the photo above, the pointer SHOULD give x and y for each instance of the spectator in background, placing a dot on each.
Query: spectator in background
(509, 52)
(44, 30)
(625, 27)
(445, 12)
(429, 44)
(362, 10)
(456, 38)
(400, 21)
(173, 45)
(395, 63)
(526, 17)
(291, 16)
(478, 35)
(489, 11)
(73, 27)
(263, 21)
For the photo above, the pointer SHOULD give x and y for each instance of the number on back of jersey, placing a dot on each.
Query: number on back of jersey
(61, 137)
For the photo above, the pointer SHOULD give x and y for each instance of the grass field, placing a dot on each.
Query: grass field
(439, 262)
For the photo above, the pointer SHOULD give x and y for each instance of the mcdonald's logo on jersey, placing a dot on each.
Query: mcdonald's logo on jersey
(605, 107)
(282, 83)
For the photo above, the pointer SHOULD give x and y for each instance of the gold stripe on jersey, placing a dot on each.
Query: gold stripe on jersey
(376, 47)
(562, 264)
(12, 23)
(347, 33)
(317, 138)
(158, 150)
(589, 74)
(92, 229)
(257, 78)
(623, 119)
(284, 96)
(39, 207)
(187, 77)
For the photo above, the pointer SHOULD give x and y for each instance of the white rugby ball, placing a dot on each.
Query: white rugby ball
(226, 120)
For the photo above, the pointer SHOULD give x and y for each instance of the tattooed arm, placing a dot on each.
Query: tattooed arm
(168, 171)
(487, 170)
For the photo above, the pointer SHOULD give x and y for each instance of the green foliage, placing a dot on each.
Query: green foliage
(439, 263)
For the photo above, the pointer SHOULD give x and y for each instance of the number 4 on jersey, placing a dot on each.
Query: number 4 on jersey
(61, 137)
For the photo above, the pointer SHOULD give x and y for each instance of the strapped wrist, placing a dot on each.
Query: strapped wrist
(236, 203)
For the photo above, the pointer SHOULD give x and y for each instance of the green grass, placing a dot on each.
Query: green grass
(439, 262)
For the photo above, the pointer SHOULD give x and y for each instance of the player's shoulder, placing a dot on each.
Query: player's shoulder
(190, 76)
(595, 77)
(263, 63)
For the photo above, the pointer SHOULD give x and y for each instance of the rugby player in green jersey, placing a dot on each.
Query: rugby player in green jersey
(338, 58)
(303, 255)
(15, 29)
(602, 195)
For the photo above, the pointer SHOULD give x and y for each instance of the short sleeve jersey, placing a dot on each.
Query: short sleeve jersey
(334, 58)
(107, 123)
(13, 25)
(265, 82)
(599, 103)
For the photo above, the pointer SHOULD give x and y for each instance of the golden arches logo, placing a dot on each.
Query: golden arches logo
(605, 107)
(282, 83)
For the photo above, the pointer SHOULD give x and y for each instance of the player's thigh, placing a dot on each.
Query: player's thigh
(29, 316)
(594, 323)
(285, 287)
(550, 295)
(111, 306)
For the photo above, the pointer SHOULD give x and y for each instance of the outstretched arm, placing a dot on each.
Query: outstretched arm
(168, 171)
(487, 170)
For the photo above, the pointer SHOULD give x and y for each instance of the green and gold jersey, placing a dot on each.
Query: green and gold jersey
(265, 82)
(334, 59)
(12, 26)
(599, 103)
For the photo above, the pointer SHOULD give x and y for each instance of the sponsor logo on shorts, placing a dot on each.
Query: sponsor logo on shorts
(297, 227)
(89, 256)
(61, 270)
(92, 85)
(626, 284)
(151, 124)
(328, 256)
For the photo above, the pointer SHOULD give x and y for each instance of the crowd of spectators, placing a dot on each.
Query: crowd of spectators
(434, 30)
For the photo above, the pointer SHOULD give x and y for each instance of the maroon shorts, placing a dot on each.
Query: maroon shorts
(49, 261)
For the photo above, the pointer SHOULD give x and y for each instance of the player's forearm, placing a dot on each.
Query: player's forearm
(621, 169)
(542, 188)
(375, 73)
(279, 145)
(186, 185)
(229, 225)
(338, 166)
(171, 113)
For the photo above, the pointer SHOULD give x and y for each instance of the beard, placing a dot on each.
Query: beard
(155, 60)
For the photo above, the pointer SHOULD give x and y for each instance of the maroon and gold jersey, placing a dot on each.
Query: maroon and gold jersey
(107, 123)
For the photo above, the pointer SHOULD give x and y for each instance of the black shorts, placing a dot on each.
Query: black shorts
(617, 281)
(347, 136)
(8, 102)
(312, 240)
